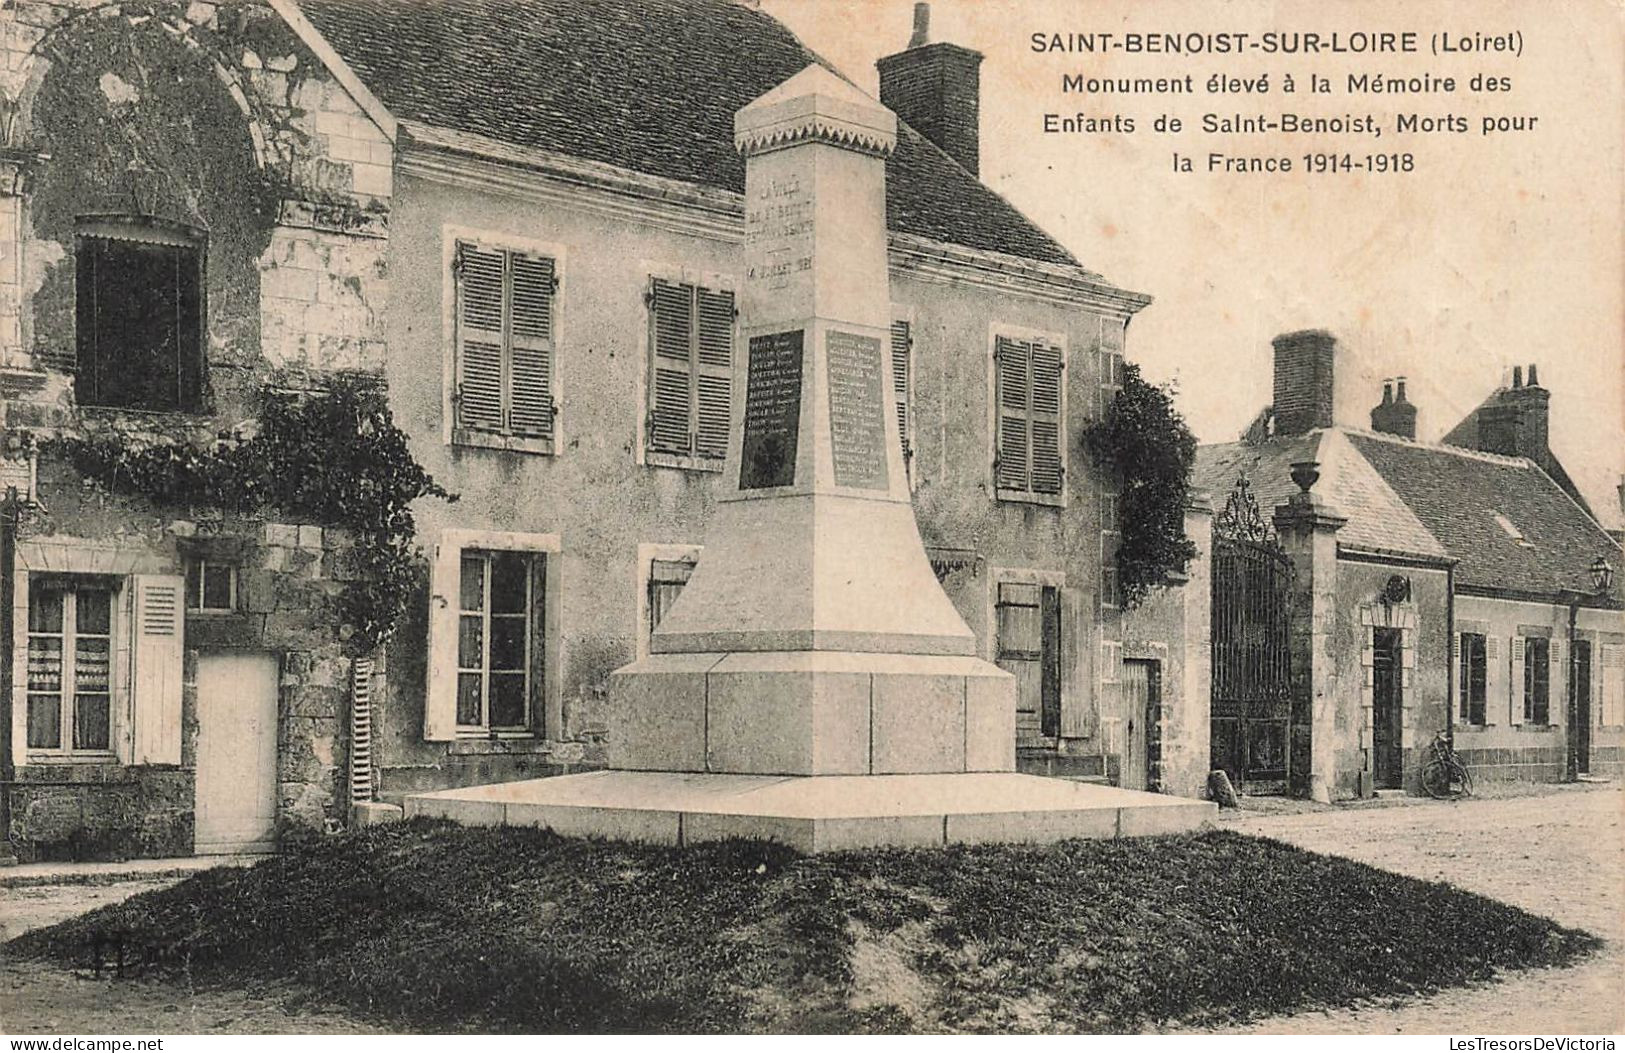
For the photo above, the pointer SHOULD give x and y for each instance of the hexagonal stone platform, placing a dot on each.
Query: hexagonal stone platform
(819, 813)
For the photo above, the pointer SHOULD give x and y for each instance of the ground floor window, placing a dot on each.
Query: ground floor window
(1028, 636)
(1537, 680)
(69, 677)
(666, 580)
(499, 640)
(1471, 678)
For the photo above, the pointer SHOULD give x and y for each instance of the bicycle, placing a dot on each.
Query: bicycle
(1444, 776)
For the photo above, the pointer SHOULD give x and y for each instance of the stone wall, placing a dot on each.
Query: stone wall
(215, 118)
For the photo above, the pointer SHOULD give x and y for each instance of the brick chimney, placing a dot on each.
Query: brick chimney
(936, 89)
(1303, 380)
(1515, 421)
(1395, 415)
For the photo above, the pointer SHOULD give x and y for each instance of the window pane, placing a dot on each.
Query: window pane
(44, 722)
(508, 642)
(468, 699)
(510, 574)
(217, 586)
(470, 642)
(90, 722)
(45, 610)
(194, 584)
(44, 664)
(90, 663)
(95, 611)
(473, 588)
(507, 700)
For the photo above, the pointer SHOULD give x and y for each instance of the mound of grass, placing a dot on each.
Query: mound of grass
(445, 928)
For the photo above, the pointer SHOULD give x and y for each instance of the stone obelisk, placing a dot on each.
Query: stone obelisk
(813, 638)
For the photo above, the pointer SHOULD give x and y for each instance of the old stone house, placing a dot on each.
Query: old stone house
(525, 222)
(1429, 589)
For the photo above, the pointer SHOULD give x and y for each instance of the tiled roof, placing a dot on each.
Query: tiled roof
(1378, 520)
(1423, 499)
(1458, 495)
(650, 86)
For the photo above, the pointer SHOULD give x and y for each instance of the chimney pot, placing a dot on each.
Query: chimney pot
(1532, 381)
(1517, 376)
(936, 89)
(1399, 389)
(1394, 416)
(922, 26)
(1387, 392)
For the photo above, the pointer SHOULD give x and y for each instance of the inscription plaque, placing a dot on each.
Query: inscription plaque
(767, 455)
(857, 421)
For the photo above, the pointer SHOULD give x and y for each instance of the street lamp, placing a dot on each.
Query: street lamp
(1602, 575)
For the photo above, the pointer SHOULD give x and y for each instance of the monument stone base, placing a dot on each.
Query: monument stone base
(820, 813)
(812, 713)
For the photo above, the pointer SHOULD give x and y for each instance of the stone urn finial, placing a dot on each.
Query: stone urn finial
(1305, 474)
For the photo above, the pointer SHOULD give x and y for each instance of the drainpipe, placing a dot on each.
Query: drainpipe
(11, 507)
(1450, 667)
(1571, 711)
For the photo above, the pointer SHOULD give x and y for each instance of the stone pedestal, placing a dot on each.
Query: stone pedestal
(1307, 527)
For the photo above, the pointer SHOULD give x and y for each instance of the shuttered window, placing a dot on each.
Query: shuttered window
(1472, 677)
(691, 349)
(1537, 680)
(902, 365)
(1029, 458)
(1611, 685)
(70, 652)
(505, 342)
(1027, 624)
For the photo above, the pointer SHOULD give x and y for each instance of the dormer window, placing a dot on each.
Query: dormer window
(139, 314)
(1512, 530)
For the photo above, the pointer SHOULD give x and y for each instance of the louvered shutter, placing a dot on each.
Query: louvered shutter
(440, 696)
(1521, 690)
(159, 640)
(1459, 663)
(530, 379)
(1613, 685)
(1011, 362)
(671, 323)
(902, 348)
(713, 372)
(1045, 417)
(479, 337)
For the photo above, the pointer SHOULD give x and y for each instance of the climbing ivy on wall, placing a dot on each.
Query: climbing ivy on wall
(1146, 442)
(333, 457)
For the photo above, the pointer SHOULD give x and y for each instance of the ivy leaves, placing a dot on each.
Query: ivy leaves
(333, 457)
(1145, 440)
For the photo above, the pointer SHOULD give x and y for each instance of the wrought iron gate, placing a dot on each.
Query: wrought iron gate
(1252, 737)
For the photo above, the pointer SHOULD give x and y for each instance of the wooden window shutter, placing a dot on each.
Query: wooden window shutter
(671, 325)
(440, 697)
(902, 349)
(159, 640)
(1520, 688)
(1080, 712)
(1045, 417)
(479, 337)
(713, 372)
(530, 384)
(1011, 359)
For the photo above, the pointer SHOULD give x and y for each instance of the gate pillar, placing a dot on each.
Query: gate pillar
(1307, 527)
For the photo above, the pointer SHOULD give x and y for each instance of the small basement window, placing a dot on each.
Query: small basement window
(139, 314)
(211, 586)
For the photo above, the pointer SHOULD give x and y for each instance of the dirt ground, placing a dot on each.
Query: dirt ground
(1559, 852)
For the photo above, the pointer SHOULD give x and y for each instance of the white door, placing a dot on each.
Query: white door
(236, 752)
